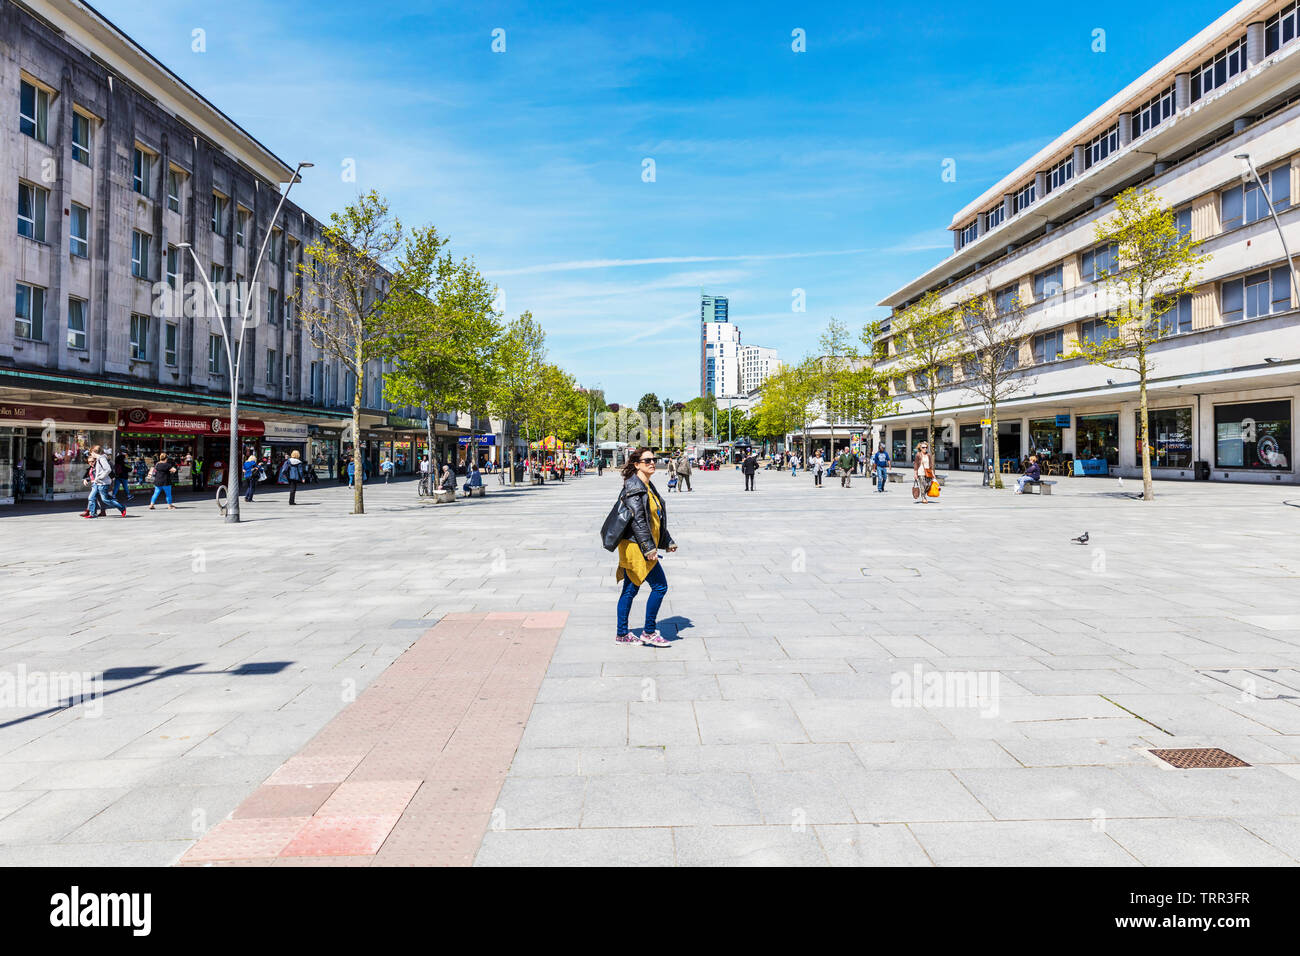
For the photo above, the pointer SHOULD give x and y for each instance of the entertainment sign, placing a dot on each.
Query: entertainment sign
(169, 423)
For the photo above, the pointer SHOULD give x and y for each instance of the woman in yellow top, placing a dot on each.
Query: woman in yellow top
(638, 547)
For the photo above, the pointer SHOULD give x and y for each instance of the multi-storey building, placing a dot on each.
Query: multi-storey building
(728, 368)
(1226, 373)
(110, 164)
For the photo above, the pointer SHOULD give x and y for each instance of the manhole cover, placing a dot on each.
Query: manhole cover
(1199, 758)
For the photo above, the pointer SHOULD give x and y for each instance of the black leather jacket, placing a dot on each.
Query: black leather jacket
(638, 529)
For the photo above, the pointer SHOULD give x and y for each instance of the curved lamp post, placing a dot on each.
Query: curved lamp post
(235, 355)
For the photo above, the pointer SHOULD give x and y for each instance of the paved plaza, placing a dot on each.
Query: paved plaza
(446, 676)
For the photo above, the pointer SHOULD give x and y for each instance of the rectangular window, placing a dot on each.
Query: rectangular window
(33, 111)
(1253, 435)
(1048, 283)
(1245, 203)
(241, 226)
(141, 171)
(1183, 220)
(270, 366)
(1170, 431)
(970, 233)
(1153, 112)
(215, 350)
(29, 312)
(1096, 264)
(996, 215)
(1281, 28)
(32, 201)
(277, 246)
(1099, 147)
(174, 267)
(79, 231)
(81, 133)
(1217, 70)
(77, 324)
(140, 243)
(1097, 331)
(1023, 199)
(219, 214)
(273, 306)
(1005, 300)
(1096, 437)
(173, 190)
(1260, 293)
(1048, 346)
(1179, 317)
(139, 337)
(1060, 174)
(170, 336)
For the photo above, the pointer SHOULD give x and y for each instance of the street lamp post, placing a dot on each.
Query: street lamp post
(1248, 169)
(234, 356)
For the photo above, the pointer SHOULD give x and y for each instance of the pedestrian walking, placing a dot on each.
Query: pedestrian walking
(600, 466)
(748, 468)
(101, 484)
(880, 461)
(848, 463)
(292, 472)
(923, 468)
(121, 472)
(637, 527)
(794, 464)
(252, 471)
(20, 477)
(196, 474)
(818, 468)
(386, 467)
(683, 472)
(162, 474)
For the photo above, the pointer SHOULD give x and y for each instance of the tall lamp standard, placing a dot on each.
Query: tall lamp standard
(1248, 170)
(234, 356)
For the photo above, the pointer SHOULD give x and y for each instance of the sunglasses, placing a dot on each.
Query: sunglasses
(645, 461)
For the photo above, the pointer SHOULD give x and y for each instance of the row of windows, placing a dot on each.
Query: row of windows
(1280, 29)
(34, 121)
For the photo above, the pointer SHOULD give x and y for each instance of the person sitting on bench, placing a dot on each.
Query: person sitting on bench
(1032, 473)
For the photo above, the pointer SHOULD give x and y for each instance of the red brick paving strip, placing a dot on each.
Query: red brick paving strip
(409, 772)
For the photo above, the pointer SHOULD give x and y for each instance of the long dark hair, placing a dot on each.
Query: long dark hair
(629, 467)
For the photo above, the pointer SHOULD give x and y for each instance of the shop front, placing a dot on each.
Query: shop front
(486, 447)
(1097, 438)
(971, 438)
(1170, 430)
(45, 449)
(1047, 436)
(323, 451)
(145, 434)
(1253, 436)
(280, 439)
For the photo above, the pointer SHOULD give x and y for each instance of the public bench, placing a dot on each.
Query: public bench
(1038, 487)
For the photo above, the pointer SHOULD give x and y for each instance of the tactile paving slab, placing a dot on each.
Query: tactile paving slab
(407, 774)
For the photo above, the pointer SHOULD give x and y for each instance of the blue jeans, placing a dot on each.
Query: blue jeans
(119, 484)
(658, 588)
(161, 490)
(252, 484)
(101, 493)
(882, 474)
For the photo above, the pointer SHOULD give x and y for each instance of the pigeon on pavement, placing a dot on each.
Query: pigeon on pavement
(1082, 539)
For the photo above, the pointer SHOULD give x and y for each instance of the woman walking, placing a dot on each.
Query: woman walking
(818, 466)
(162, 473)
(639, 541)
(923, 466)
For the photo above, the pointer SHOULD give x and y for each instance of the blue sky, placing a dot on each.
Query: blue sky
(774, 170)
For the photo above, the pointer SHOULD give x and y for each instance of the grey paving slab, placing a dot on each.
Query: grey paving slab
(1021, 843)
(669, 800)
(872, 844)
(539, 803)
(748, 846)
(626, 846)
(1195, 843)
(1052, 793)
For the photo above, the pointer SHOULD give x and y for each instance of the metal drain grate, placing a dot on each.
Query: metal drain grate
(1199, 758)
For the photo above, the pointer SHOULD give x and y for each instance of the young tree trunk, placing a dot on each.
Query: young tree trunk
(1148, 490)
(993, 439)
(358, 462)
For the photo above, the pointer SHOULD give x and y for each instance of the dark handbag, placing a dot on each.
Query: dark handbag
(615, 526)
(916, 490)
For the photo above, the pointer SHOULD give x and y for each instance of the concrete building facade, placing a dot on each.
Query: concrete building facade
(1227, 370)
(110, 163)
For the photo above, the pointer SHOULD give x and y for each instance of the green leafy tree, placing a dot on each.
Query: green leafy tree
(1155, 264)
(521, 360)
(833, 373)
(357, 291)
(932, 336)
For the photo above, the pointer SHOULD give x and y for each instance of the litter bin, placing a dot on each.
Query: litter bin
(1202, 471)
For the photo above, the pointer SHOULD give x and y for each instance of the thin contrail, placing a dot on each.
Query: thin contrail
(666, 260)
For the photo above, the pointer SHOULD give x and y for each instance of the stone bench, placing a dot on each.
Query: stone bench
(1038, 487)
(478, 492)
(441, 497)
